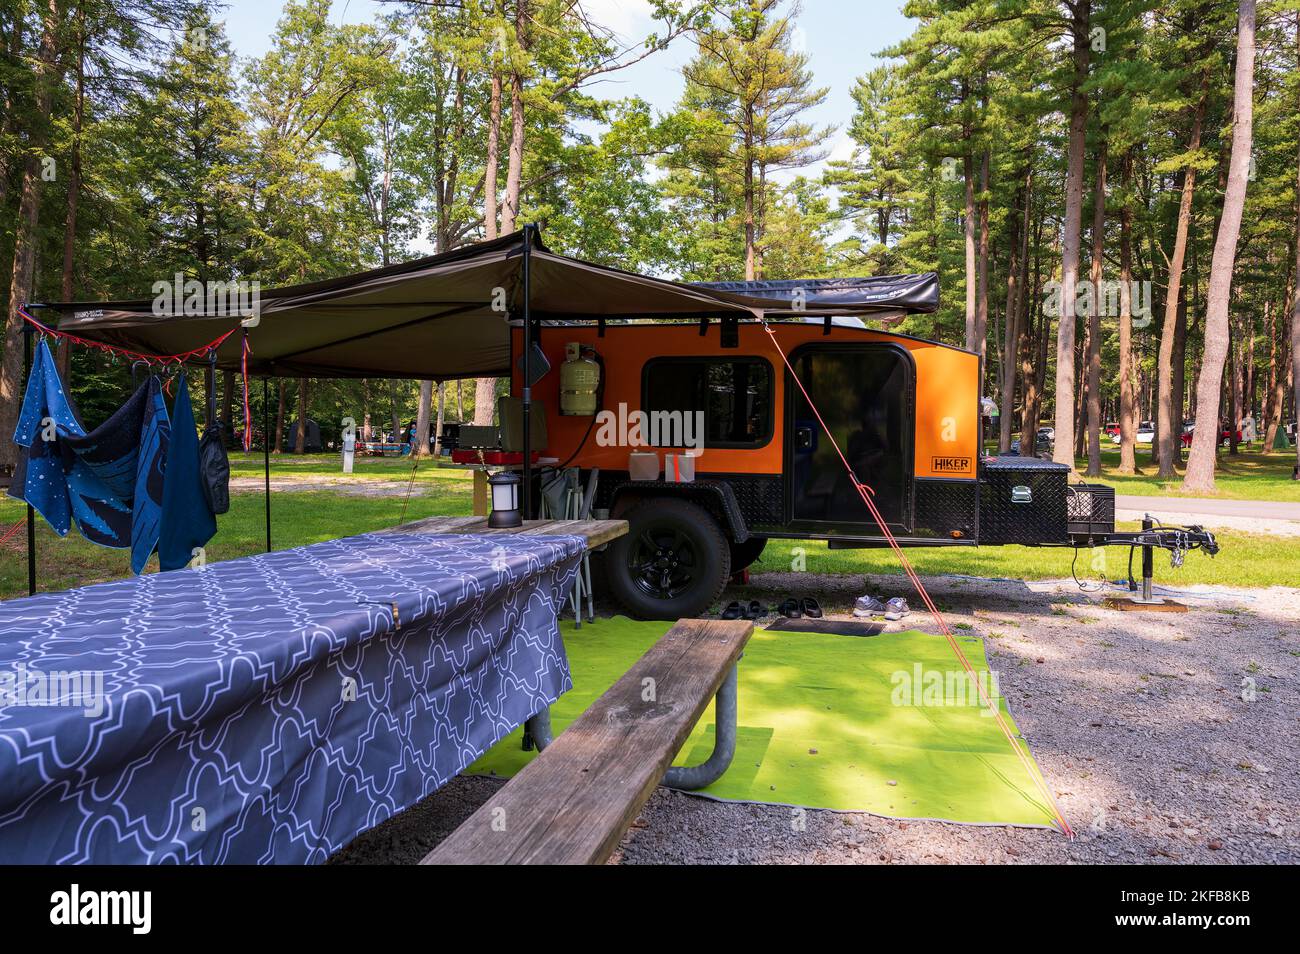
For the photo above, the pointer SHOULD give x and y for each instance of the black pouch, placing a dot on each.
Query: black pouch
(214, 469)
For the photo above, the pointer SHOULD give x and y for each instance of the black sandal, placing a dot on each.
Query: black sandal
(811, 608)
(789, 608)
(755, 610)
(733, 611)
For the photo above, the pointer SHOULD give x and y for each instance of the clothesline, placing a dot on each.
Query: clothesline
(159, 359)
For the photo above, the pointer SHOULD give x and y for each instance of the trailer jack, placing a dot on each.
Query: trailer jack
(1154, 535)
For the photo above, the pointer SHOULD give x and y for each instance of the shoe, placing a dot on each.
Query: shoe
(733, 611)
(896, 608)
(755, 610)
(789, 609)
(868, 606)
(811, 608)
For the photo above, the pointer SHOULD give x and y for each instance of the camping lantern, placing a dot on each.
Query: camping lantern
(505, 501)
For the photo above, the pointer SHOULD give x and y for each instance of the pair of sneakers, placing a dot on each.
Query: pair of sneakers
(894, 609)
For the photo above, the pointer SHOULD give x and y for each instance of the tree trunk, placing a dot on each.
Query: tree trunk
(1063, 452)
(1032, 371)
(1178, 389)
(515, 165)
(1200, 463)
(485, 401)
(1168, 436)
(25, 237)
(1094, 318)
(74, 191)
(1279, 361)
(1127, 463)
(493, 159)
(972, 295)
(300, 434)
(420, 439)
(437, 429)
(748, 189)
(1011, 327)
(982, 263)
(279, 421)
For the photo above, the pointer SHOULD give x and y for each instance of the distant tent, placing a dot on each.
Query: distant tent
(311, 445)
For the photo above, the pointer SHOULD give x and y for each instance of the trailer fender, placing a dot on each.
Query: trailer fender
(715, 496)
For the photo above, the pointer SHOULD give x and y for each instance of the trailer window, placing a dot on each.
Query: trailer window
(729, 399)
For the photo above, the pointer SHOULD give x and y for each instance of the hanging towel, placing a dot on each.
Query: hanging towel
(187, 520)
(39, 478)
(110, 480)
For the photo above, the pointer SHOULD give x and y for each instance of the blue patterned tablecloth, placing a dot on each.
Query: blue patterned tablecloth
(270, 708)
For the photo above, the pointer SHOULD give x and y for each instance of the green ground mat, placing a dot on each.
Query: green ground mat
(821, 725)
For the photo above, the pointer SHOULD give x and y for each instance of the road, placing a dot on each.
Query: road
(1207, 507)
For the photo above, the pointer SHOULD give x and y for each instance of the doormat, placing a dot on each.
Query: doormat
(828, 627)
(889, 725)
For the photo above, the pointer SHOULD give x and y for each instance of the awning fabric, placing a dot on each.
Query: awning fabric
(442, 316)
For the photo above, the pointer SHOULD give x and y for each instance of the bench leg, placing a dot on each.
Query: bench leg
(724, 743)
(537, 731)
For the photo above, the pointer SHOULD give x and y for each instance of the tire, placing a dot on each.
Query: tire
(672, 563)
(744, 554)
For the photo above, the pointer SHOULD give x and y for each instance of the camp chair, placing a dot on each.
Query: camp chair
(563, 498)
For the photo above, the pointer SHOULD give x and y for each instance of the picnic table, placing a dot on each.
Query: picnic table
(270, 708)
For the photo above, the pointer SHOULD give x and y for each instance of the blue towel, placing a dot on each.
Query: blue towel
(110, 480)
(186, 520)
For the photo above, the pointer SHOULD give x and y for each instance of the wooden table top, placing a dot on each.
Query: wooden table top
(596, 531)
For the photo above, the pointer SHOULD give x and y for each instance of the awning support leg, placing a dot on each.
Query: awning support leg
(266, 454)
(31, 512)
(526, 495)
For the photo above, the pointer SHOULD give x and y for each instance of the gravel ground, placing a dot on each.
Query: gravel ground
(1137, 720)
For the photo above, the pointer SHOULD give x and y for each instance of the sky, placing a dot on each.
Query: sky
(841, 37)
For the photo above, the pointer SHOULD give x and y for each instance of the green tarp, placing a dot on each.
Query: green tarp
(887, 724)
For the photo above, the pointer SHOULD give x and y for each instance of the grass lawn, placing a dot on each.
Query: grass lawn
(364, 468)
(309, 517)
(1245, 560)
(1250, 475)
(296, 519)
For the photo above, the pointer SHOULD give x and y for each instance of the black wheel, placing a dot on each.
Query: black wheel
(672, 563)
(744, 554)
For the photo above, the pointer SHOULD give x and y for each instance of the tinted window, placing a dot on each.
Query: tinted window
(734, 397)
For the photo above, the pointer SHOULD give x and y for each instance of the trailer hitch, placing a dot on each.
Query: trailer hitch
(1177, 540)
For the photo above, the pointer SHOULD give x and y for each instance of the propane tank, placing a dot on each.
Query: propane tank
(579, 382)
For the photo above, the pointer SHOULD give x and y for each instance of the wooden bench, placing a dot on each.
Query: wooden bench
(573, 803)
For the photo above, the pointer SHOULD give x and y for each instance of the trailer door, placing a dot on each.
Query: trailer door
(866, 396)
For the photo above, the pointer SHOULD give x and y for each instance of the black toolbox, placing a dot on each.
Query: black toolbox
(1023, 500)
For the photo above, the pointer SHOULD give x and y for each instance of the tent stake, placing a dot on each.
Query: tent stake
(31, 513)
(266, 454)
(527, 402)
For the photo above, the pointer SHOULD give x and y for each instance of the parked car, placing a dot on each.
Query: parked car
(1146, 432)
(1189, 428)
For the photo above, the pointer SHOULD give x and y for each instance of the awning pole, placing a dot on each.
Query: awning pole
(527, 402)
(31, 513)
(266, 454)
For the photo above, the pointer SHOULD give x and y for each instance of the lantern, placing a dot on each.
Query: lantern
(505, 501)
